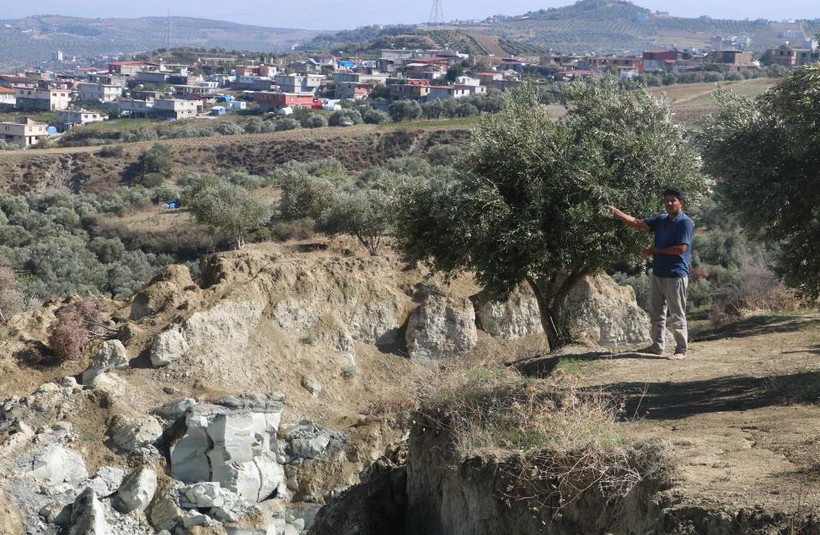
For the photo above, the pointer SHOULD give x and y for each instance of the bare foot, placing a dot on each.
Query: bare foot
(677, 356)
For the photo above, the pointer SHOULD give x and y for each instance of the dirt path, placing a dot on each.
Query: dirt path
(740, 413)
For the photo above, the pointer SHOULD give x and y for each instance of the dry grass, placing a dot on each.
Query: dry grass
(553, 441)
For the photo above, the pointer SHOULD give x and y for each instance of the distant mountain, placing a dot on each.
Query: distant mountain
(599, 26)
(32, 40)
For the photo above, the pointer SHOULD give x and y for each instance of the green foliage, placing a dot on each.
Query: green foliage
(529, 206)
(286, 123)
(363, 213)
(372, 116)
(765, 154)
(314, 120)
(227, 128)
(305, 196)
(346, 117)
(154, 161)
(227, 207)
(404, 110)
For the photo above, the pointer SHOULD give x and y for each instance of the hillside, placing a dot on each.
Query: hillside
(314, 333)
(590, 26)
(32, 41)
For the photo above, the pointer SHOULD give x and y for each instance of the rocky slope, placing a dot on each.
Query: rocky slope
(285, 378)
(242, 403)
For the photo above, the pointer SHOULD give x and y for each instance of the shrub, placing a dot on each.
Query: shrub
(11, 299)
(345, 118)
(227, 128)
(69, 333)
(372, 116)
(314, 120)
(286, 123)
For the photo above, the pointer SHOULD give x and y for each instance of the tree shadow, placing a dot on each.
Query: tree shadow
(37, 355)
(757, 325)
(669, 401)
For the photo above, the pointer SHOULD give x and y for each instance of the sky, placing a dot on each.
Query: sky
(349, 14)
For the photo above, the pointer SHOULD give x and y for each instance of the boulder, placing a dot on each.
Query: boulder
(106, 481)
(131, 434)
(137, 490)
(168, 346)
(55, 464)
(88, 515)
(601, 312)
(441, 327)
(110, 355)
(514, 318)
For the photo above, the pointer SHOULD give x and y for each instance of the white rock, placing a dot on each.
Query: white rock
(111, 355)
(107, 480)
(56, 464)
(129, 435)
(514, 318)
(232, 446)
(205, 494)
(167, 347)
(88, 515)
(441, 327)
(137, 490)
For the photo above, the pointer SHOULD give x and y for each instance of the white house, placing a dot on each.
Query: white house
(172, 108)
(67, 118)
(25, 133)
(88, 92)
(42, 99)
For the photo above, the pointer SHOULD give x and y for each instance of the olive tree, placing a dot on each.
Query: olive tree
(363, 213)
(528, 205)
(227, 207)
(765, 155)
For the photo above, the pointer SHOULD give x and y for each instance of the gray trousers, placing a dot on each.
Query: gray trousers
(668, 295)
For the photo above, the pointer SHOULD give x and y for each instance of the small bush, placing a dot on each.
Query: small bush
(758, 290)
(69, 334)
(314, 121)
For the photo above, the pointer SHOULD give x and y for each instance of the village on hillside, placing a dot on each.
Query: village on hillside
(221, 84)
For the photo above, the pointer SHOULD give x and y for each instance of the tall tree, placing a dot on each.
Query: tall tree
(765, 154)
(529, 204)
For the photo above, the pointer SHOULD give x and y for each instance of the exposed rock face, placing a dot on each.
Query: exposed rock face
(447, 495)
(601, 312)
(228, 324)
(111, 355)
(441, 327)
(514, 318)
(597, 310)
(235, 447)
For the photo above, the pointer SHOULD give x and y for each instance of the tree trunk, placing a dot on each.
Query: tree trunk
(546, 313)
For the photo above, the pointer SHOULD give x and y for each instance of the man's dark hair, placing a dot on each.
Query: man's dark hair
(675, 192)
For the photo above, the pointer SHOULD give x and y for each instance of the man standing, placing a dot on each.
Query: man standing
(671, 256)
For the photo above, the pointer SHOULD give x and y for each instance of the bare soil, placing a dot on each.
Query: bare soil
(739, 414)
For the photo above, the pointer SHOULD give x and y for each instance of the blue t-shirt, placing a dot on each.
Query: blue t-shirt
(668, 234)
